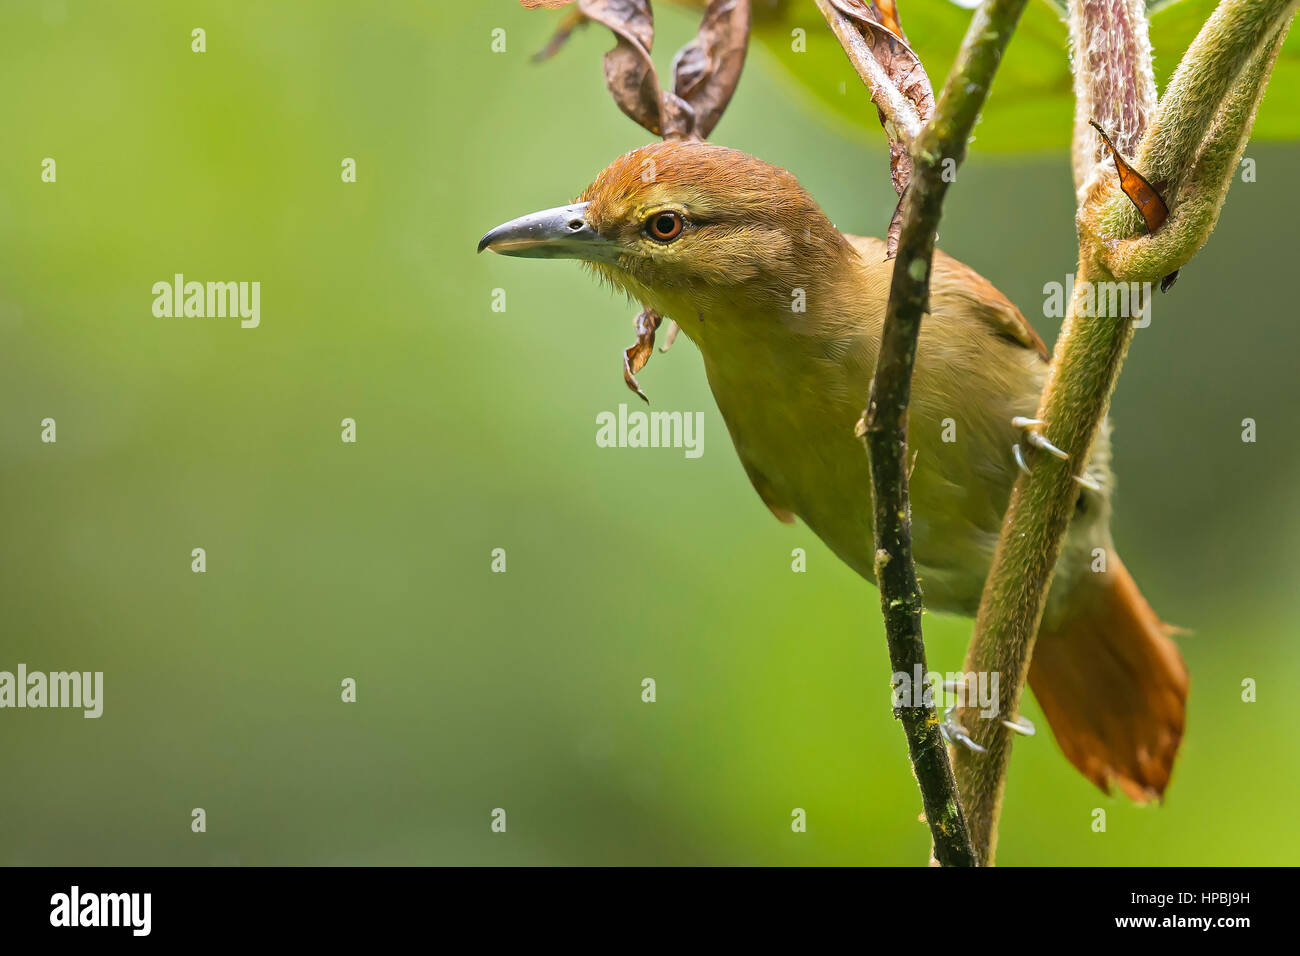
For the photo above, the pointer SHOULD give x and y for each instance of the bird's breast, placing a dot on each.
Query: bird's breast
(791, 401)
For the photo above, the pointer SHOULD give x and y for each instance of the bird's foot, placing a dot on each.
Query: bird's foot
(1031, 427)
(955, 733)
(1021, 725)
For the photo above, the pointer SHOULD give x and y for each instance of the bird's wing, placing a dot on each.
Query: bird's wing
(968, 292)
(983, 300)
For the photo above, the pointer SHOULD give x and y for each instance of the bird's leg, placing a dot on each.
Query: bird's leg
(1031, 426)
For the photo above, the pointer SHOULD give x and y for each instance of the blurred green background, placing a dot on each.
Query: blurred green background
(476, 431)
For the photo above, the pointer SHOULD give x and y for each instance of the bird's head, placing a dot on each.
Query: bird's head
(688, 228)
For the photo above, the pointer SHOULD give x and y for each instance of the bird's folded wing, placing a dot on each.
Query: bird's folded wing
(985, 302)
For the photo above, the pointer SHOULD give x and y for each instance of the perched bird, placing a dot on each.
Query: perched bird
(726, 245)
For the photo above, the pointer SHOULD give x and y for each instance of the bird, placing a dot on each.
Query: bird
(787, 313)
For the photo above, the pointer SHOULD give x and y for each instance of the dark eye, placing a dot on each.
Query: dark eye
(664, 226)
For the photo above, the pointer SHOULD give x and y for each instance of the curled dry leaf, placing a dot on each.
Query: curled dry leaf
(671, 336)
(637, 354)
(899, 86)
(572, 20)
(629, 71)
(1142, 194)
(1136, 188)
(707, 70)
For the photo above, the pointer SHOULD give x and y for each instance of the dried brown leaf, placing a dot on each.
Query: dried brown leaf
(909, 90)
(636, 355)
(572, 20)
(629, 71)
(1140, 192)
(706, 70)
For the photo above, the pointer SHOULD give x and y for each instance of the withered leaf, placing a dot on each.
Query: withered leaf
(887, 14)
(902, 92)
(629, 71)
(636, 355)
(1136, 188)
(572, 20)
(705, 74)
(706, 70)
(671, 337)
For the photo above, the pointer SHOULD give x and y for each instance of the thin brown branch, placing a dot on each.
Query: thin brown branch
(884, 422)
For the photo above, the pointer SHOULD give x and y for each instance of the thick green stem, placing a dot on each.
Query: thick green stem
(1205, 79)
(1190, 151)
(1196, 205)
(1088, 357)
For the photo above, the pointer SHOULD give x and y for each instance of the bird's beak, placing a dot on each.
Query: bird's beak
(560, 233)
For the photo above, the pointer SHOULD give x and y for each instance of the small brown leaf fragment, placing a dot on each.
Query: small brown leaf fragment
(1136, 188)
(706, 70)
(636, 355)
(629, 71)
(895, 230)
(900, 89)
(887, 12)
(671, 337)
(572, 20)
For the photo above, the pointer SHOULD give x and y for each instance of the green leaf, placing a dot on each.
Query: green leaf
(1031, 107)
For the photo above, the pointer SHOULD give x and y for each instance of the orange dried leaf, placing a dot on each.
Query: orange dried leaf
(572, 20)
(636, 355)
(1136, 188)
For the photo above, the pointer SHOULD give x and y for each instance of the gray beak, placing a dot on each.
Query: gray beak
(560, 233)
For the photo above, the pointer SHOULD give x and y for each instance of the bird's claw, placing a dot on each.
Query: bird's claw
(955, 733)
(1089, 483)
(1021, 725)
(1020, 458)
(1036, 438)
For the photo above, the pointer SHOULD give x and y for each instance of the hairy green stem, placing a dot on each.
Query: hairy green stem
(1191, 148)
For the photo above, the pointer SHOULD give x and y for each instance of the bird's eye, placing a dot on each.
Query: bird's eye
(664, 226)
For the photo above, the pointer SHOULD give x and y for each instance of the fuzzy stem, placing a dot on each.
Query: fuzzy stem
(1114, 83)
(1196, 205)
(884, 422)
(1238, 44)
